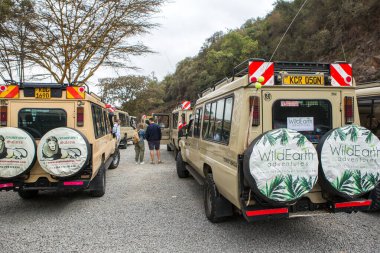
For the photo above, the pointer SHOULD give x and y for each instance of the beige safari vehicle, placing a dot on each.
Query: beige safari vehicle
(163, 120)
(279, 140)
(368, 96)
(54, 137)
(126, 129)
(178, 123)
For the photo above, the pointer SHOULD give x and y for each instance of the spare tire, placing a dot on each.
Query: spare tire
(349, 161)
(281, 166)
(63, 152)
(17, 152)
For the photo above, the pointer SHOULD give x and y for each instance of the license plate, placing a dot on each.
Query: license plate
(42, 93)
(303, 80)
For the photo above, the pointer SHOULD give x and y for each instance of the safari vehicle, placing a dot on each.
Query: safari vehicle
(368, 96)
(178, 123)
(126, 130)
(279, 140)
(163, 120)
(54, 137)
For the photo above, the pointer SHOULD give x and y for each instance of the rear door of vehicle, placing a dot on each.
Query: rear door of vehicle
(312, 112)
(163, 120)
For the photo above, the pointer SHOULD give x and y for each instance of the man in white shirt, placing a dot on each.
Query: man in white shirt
(116, 130)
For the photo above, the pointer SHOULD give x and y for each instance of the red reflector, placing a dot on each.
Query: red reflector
(3, 115)
(80, 116)
(254, 104)
(353, 204)
(349, 109)
(267, 212)
(6, 185)
(73, 183)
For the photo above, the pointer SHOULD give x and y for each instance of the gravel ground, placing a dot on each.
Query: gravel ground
(148, 209)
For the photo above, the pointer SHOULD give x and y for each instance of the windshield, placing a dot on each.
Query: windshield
(312, 118)
(38, 122)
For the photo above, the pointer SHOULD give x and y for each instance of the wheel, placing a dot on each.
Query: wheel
(115, 160)
(98, 184)
(217, 208)
(375, 196)
(27, 194)
(168, 148)
(182, 172)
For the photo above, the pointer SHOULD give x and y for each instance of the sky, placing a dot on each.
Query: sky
(184, 26)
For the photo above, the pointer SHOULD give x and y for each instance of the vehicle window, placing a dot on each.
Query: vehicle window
(369, 113)
(123, 119)
(38, 122)
(107, 124)
(175, 120)
(211, 125)
(217, 136)
(97, 117)
(189, 128)
(312, 118)
(197, 123)
(163, 121)
(206, 120)
(227, 119)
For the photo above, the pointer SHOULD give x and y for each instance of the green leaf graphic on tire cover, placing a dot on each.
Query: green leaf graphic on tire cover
(350, 159)
(284, 165)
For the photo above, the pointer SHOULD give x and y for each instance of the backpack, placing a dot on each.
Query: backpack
(136, 138)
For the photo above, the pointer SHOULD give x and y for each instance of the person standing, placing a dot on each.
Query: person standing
(138, 141)
(153, 136)
(116, 130)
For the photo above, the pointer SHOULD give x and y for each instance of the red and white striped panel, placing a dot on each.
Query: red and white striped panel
(181, 125)
(341, 74)
(260, 68)
(186, 105)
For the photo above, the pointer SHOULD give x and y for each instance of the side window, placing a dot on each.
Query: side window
(98, 121)
(369, 112)
(175, 120)
(123, 119)
(197, 123)
(219, 121)
(227, 120)
(107, 125)
(206, 120)
(218, 127)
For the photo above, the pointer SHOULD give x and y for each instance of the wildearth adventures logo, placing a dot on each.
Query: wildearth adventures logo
(350, 159)
(284, 165)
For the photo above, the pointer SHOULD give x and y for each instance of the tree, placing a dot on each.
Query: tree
(71, 39)
(15, 27)
(123, 89)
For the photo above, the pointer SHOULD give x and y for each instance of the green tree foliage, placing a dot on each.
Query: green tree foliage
(318, 34)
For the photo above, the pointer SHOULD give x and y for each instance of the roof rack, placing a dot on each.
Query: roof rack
(213, 87)
(47, 85)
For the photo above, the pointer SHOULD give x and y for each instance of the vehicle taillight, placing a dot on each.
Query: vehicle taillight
(254, 107)
(349, 110)
(3, 115)
(80, 116)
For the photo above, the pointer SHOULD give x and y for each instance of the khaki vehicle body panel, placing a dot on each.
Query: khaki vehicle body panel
(126, 130)
(222, 159)
(100, 150)
(369, 93)
(164, 121)
(174, 138)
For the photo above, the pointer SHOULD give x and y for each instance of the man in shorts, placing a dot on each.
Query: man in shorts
(153, 136)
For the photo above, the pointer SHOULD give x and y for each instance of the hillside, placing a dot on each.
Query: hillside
(325, 30)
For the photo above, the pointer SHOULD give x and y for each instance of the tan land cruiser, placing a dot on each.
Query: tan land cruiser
(368, 96)
(126, 129)
(163, 120)
(179, 120)
(281, 139)
(54, 137)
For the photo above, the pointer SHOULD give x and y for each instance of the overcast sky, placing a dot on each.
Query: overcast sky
(184, 26)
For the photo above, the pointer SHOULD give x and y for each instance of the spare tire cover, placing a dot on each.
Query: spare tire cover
(17, 152)
(349, 161)
(63, 152)
(281, 166)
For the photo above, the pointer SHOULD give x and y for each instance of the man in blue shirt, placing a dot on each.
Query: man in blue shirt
(153, 136)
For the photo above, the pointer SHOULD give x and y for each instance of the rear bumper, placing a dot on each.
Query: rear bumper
(43, 184)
